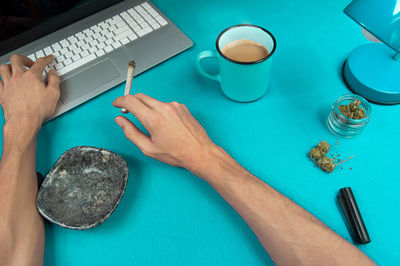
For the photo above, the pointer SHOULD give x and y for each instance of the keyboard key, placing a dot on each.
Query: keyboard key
(124, 40)
(122, 29)
(102, 39)
(59, 66)
(72, 39)
(93, 49)
(32, 57)
(144, 25)
(60, 58)
(67, 62)
(104, 32)
(93, 43)
(116, 45)
(72, 47)
(131, 22)
(139, 20)
(137, 29)
(56, 54)
(132, 37)
(139, 9)
(80, 43)
(95, 29)
(100, 53)
(69, 54)
(108, 49)
(56, 47)
(109, 35)
(76, 64)
(162, 21)
(39, 54)
(155, 26)
(152, 21)
(120, 24)
(102, 45)
(112, 28)
(64, 51)
(84, 53)
(77, 50)
(48, 50)
(80, 36)
(89, 39)
(85, 47)
(132, 12)
(96, 36)
(108, 42)
(76, 57)
(64, 43)
(123, 35)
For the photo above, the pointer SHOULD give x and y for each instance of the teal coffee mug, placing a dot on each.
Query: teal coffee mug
(241, 81)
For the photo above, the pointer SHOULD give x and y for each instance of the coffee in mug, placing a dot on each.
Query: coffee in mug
(245, 51)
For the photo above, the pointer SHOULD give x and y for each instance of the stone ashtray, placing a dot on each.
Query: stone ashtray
(83, 188)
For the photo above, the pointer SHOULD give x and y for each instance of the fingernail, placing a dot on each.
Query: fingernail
(118, 120)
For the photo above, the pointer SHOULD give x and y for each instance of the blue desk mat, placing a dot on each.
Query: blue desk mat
(168, 216)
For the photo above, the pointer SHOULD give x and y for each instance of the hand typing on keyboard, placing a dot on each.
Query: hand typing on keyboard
(25, 99)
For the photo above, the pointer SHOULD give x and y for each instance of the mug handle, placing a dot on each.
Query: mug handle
(203, 55)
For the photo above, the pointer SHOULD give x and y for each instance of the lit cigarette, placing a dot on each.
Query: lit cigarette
(129, 79)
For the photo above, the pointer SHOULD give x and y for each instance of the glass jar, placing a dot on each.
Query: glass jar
(346, 127)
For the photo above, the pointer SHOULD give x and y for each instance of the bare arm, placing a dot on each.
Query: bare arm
(26, 102)
(289, 234)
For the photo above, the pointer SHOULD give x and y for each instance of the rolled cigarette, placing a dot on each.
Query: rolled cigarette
(129, 79)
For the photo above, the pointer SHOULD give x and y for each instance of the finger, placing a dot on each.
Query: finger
(134, 134)
(18, 63)
(149, 101)
(5, 72)
(53, 80)
(134, 106)
(41, 64)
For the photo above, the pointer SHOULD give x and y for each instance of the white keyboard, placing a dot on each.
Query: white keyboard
(98, 40)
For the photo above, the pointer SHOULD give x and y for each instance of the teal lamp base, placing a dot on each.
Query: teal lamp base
(373, 71)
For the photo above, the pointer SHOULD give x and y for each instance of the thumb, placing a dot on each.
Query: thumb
(141, 140)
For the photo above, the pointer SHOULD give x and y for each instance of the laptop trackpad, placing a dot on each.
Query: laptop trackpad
(88, 80)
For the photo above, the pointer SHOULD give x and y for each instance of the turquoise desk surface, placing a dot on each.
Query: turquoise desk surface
(168, 216)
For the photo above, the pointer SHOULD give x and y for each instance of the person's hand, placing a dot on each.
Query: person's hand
(25, 99)
(175, 138)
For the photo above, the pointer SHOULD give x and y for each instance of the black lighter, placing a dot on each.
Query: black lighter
(354, 220)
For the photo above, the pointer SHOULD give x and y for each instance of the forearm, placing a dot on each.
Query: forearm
(21, 227)
(289, 234)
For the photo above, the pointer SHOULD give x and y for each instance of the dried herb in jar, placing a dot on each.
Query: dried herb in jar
(353, 110)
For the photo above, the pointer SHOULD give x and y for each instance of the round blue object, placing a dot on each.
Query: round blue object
(372, 72)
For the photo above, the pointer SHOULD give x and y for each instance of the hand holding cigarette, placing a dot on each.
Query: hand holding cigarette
(129, 79)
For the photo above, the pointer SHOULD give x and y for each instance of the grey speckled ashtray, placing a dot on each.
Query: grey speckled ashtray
(83, 188)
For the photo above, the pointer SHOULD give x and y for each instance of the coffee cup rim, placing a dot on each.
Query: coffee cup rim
(245, 63)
